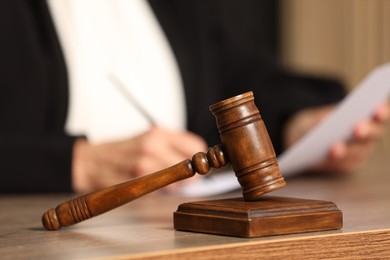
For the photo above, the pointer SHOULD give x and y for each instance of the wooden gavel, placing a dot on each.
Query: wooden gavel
(245, 144)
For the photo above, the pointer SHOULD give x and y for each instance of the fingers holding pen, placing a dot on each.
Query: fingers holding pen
(159, 148)
(100, 165)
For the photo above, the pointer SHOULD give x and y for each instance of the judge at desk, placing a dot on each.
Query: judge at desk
(66, 126)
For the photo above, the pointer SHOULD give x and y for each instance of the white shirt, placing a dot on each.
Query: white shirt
(123, 38)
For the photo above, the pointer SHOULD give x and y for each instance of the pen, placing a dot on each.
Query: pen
(130, 98)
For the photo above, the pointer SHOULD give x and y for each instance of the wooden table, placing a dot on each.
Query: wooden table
(143, 229)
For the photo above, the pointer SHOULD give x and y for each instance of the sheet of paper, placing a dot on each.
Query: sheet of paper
(313, 147)
(358, 105)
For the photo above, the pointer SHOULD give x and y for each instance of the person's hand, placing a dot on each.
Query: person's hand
(343, 156)
(98, 166)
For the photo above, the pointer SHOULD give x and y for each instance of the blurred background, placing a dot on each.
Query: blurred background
(341, 39)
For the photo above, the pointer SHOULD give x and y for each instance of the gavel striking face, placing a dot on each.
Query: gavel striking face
(245, 144)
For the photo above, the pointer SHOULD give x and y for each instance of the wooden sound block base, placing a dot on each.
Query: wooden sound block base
(265, 217)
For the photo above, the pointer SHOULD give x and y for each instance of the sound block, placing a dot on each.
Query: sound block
(265, 217)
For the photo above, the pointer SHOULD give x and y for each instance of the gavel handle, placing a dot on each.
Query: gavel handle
(98, 202)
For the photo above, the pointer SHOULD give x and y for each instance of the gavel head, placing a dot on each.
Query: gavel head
(246, 142)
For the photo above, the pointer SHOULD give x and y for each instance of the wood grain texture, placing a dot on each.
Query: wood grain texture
(95, 203)
(345, 39)
(267, 216)
(363, 245)
(144, 229)
(245, 144)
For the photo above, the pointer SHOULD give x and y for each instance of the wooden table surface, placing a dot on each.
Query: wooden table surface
(143, 229)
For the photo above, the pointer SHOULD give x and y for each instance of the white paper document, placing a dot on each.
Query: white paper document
(314, 146)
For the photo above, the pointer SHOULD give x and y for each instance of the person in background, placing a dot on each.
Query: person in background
(65, 126)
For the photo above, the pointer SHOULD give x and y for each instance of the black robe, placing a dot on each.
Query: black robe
(223, 48)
